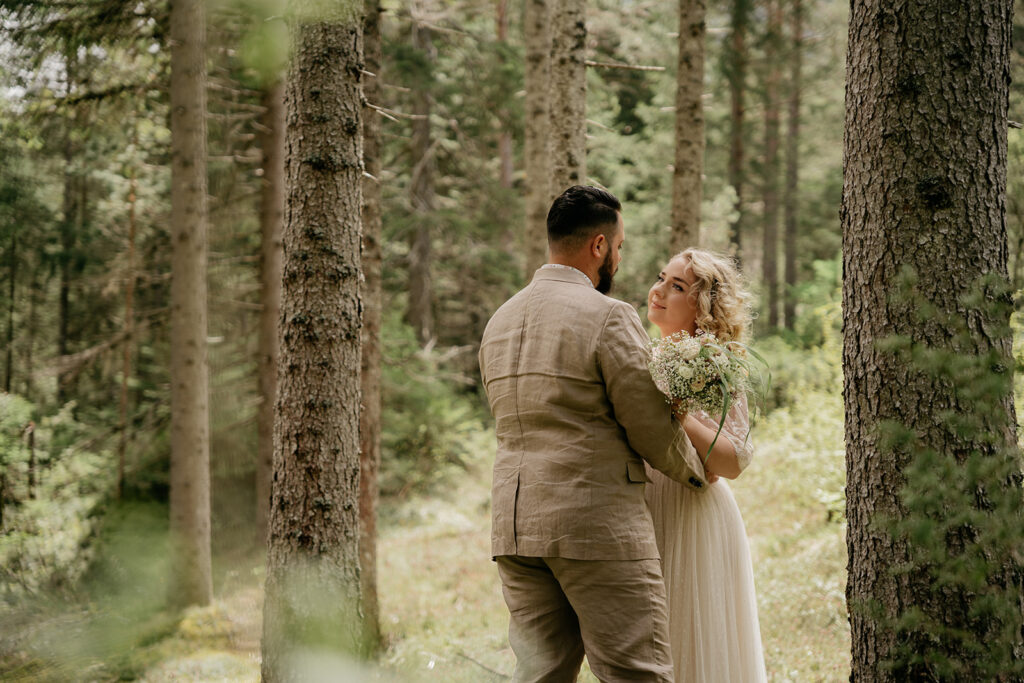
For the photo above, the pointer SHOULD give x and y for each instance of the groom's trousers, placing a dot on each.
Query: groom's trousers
(615, 611)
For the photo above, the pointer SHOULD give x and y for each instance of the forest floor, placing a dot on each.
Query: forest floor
(441, 607)
(442, 610)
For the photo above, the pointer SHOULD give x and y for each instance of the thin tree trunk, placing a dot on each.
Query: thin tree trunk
(689, 161)
(567, 122)
(921, 195)
(1018, 267)
(272, 199)
(313, 583)
(737, 57)
(792, 165)
(31, 460)
(191, 582)
(505, 137)
(30, 342)
(770, 246)
(129, 341)
(67, 233)
(12, 272)
(370, 419)
(537, 143)
(420, 313)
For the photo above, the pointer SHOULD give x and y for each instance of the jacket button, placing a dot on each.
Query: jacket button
(695, 482)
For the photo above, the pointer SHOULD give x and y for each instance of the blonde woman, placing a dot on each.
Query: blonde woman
(713, 625)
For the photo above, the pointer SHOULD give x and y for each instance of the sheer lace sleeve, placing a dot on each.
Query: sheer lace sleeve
(736, 429)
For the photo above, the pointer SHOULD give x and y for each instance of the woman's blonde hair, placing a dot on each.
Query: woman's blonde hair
(723, 302)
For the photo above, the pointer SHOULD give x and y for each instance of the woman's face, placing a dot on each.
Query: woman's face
(670, 302)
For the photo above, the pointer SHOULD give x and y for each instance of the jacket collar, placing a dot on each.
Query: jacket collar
(561, 273)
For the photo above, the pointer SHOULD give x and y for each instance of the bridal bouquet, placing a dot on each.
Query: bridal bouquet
(703, 373)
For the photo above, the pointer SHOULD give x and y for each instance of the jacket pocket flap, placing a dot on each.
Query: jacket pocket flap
(635, 472)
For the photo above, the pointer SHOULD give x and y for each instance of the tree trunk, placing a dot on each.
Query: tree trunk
(689, 162)
(505, 137)
(770, 256)
(312, 588)
(191, 582)
(129, 330)
(369, 424)
(537, 143)
(567, 112)
(792, 165)
(12, 272)
(920, 194)
(737, 74)
(272, 197)
(31, 460)
(67, 226)
(1018, 263)
(30, 341)
(421, 314)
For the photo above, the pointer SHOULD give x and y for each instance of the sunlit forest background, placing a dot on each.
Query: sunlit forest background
(85, 272)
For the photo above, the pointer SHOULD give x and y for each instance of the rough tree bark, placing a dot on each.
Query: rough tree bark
(567, 96)
(537, 143)
(689, 161)
(191, 580)
(770, 241)
(312, 587)
(420, 312)
(737, 70)
(369, 425)
(924, 187)
(790, 199)
(272, 194)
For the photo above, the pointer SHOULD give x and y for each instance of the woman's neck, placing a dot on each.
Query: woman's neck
(668, 331)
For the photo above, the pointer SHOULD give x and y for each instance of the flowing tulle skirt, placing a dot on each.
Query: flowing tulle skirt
(713, 625)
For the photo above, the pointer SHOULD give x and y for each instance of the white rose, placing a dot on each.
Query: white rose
(689, 348)
(684, 371)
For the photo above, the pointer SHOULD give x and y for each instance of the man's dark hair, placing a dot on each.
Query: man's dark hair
(579, 213)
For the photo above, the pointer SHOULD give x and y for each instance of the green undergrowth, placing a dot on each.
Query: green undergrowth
(442, 612)
(445, 619)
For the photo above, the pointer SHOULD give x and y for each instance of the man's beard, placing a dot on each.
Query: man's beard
(605, 275)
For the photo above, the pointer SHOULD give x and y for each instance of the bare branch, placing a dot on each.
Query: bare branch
(629, 67)
(392, 112)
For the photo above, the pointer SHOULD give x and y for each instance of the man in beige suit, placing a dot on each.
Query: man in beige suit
(565, 370)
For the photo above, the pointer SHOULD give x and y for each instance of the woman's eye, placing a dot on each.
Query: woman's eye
(658, 279)
(677, 288)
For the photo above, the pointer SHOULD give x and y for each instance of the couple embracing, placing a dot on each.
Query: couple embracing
(613, 536)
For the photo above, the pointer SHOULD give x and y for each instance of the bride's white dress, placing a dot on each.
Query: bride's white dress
(709, 578)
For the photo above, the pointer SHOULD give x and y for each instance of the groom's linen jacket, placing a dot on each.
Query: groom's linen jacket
(565, 370)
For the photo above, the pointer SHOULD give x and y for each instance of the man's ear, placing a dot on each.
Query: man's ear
(597, 244)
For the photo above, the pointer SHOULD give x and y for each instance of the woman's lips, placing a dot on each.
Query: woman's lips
(657, 305)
